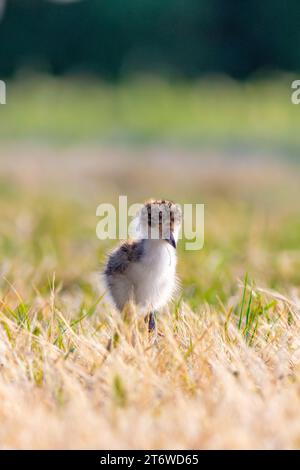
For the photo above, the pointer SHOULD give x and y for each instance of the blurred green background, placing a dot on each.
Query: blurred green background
(191, 73)
(183, 38)
(219, 113)
(182, 99)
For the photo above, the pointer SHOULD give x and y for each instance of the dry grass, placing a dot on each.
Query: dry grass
(225, 373)
(200, 386)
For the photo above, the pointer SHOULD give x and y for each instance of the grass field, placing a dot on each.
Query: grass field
(73, 374)
(226, 374)
(215, 112)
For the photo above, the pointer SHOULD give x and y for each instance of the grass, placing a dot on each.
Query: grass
(214, 112)
(203, 385)
(74, 374)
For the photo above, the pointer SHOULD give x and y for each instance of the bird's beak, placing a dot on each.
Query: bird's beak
(172, 240)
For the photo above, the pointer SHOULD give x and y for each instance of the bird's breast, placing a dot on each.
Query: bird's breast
(154, 276)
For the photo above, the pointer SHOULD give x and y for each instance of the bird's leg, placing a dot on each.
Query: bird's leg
(151, 323)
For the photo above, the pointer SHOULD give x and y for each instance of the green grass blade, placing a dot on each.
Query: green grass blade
(243, 301)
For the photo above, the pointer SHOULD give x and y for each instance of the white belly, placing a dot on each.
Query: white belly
(154, 277)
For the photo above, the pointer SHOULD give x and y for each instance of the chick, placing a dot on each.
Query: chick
(143, 270)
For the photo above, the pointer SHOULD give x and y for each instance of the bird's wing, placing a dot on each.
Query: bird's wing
(120, 259)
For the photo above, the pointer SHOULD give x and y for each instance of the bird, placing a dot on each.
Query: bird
(142, 270)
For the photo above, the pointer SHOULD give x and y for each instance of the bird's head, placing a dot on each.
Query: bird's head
(160, 220)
